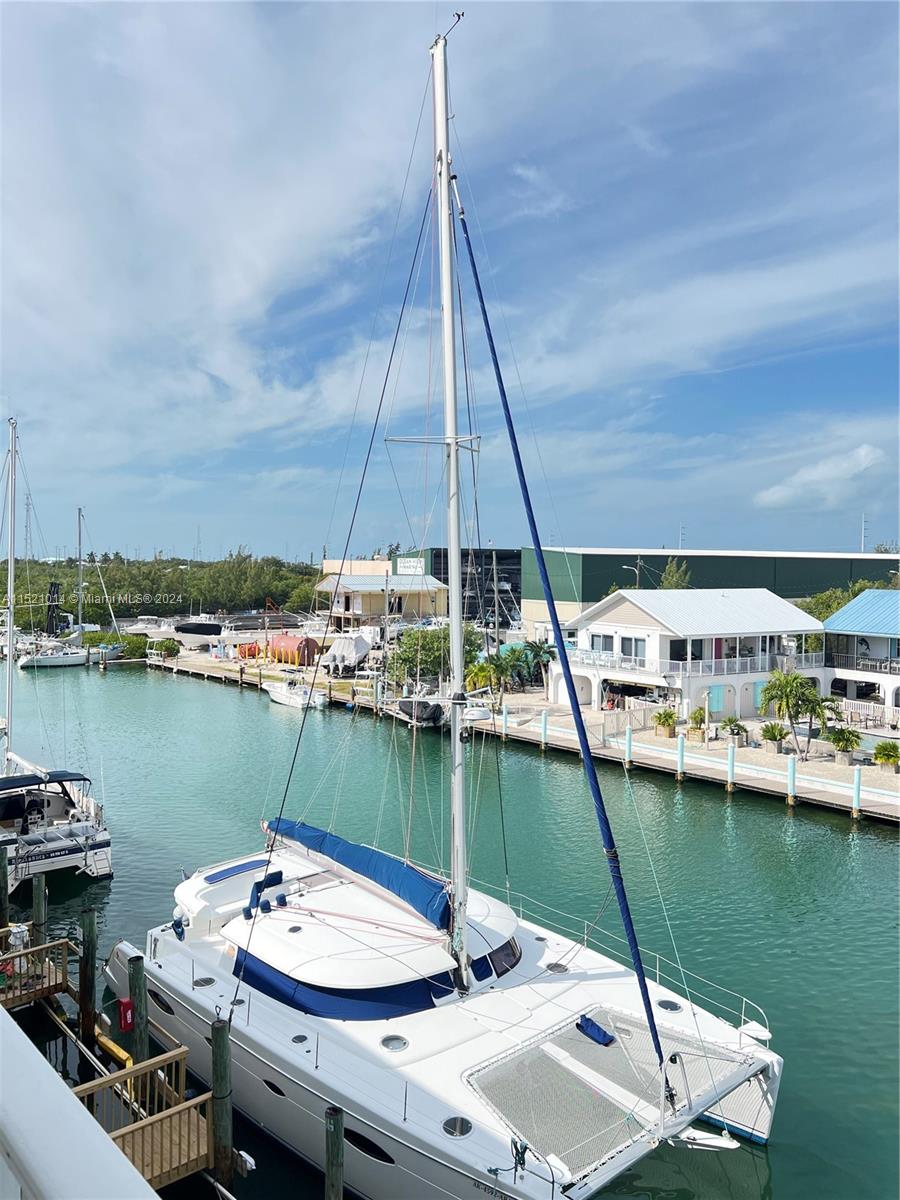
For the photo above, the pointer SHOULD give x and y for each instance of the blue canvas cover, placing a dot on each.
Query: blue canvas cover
(426, 895)
(595, 1032)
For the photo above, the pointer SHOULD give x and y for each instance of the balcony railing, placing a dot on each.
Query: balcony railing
(856, 662)
(746, 665)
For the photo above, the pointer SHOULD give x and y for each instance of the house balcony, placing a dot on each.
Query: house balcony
(753, 664)
(868, 664)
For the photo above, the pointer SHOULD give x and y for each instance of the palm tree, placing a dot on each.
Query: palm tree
(791, 694)
(819, 709)
(479, 676)
(517, 660)
(542, 654)
(501, 672)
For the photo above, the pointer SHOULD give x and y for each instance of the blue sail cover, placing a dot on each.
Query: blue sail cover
(426, 895)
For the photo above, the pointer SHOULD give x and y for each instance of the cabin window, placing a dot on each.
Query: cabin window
(505, 957)
(273, 1087)
(481, 968)
(365, 1145)
(160, 1001)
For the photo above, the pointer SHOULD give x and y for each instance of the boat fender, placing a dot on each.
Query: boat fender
(178, 928)
(281, 900)
(126, 1016)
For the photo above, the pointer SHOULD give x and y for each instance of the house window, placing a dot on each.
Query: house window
(602, 642)
(634, 647)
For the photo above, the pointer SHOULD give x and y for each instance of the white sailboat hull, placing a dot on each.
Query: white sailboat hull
(54, 658)
(299, 696)
(506, 1058)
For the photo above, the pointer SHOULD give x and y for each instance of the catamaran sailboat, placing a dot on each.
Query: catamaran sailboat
(49, 821)
(474, 1051)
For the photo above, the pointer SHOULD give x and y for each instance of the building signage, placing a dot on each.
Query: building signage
(410, 566)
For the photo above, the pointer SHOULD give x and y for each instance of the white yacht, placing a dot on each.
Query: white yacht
(474, 1051)
(49, 821)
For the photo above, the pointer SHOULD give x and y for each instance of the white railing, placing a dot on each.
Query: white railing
(855, 662)
(754, 664)
(881, 714)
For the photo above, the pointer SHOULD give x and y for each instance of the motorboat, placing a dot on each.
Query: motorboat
(294, 693)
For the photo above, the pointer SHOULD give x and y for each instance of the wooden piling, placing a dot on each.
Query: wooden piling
(39, 910)
(4, 888)
(87, 976)
(137, 991)
(334, 1153)
(221, 1103)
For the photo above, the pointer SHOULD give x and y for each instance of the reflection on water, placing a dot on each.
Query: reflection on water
(797, 910)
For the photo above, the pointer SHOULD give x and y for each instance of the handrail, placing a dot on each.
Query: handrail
(175, 1111)
(141, 1068)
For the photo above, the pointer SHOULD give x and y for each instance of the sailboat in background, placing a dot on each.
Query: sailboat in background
(49, 821)
(473, 1049)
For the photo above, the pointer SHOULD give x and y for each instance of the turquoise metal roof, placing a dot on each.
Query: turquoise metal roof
(875, 611)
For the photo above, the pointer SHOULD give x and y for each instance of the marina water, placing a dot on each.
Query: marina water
(795, 909)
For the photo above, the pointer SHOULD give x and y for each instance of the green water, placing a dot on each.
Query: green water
(797, 910)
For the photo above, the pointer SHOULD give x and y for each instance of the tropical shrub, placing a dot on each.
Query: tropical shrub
(697, 718)
(666, 717)
(886, 752)
(773, 731)
(844, 739)
(732, 725)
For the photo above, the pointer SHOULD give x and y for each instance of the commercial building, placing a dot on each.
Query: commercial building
(357, 600)
(477, 577)
(580, 577)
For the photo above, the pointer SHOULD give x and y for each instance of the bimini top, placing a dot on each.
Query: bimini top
(16, 783)
(427, 896)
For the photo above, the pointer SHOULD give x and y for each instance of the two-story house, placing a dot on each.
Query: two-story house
(684, 645)
(357, 600)
(862, 647)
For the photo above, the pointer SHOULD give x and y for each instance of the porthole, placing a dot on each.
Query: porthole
(669, 1005)
(365, 1145)
(299, 1038)
(237, 1003)
(394, 1042)
(204, 981)
(557, 968)
(457, 1127)
(273, 1087)
(540, 938)
(295, 929)
(161, 1002)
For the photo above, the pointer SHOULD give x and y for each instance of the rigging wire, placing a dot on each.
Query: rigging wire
(344, 559)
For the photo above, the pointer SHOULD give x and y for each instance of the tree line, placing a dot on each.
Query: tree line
(164, 586)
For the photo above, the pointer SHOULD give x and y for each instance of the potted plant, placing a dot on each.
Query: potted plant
(696, 724)
(887, 755)
(737, 733)
(665, 721)
(773, 734)
(845, 741)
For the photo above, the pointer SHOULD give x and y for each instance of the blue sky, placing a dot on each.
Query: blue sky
(687, 222)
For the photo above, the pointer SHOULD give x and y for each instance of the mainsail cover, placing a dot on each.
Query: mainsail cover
(426, 895)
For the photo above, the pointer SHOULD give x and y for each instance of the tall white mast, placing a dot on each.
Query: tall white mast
(11, 587)
(458, 871)
(80, 576)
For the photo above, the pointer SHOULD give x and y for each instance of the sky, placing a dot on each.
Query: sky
(685, 216)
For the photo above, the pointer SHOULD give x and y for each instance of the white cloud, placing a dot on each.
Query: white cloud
(828, 483)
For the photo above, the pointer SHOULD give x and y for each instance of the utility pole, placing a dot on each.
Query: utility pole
(681, 537)
(862, 535)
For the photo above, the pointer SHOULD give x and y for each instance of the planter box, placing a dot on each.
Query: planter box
(696, 735)
(844, 758)
(889, 768)
(665, 731)
(773, 747)
(737, 739)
